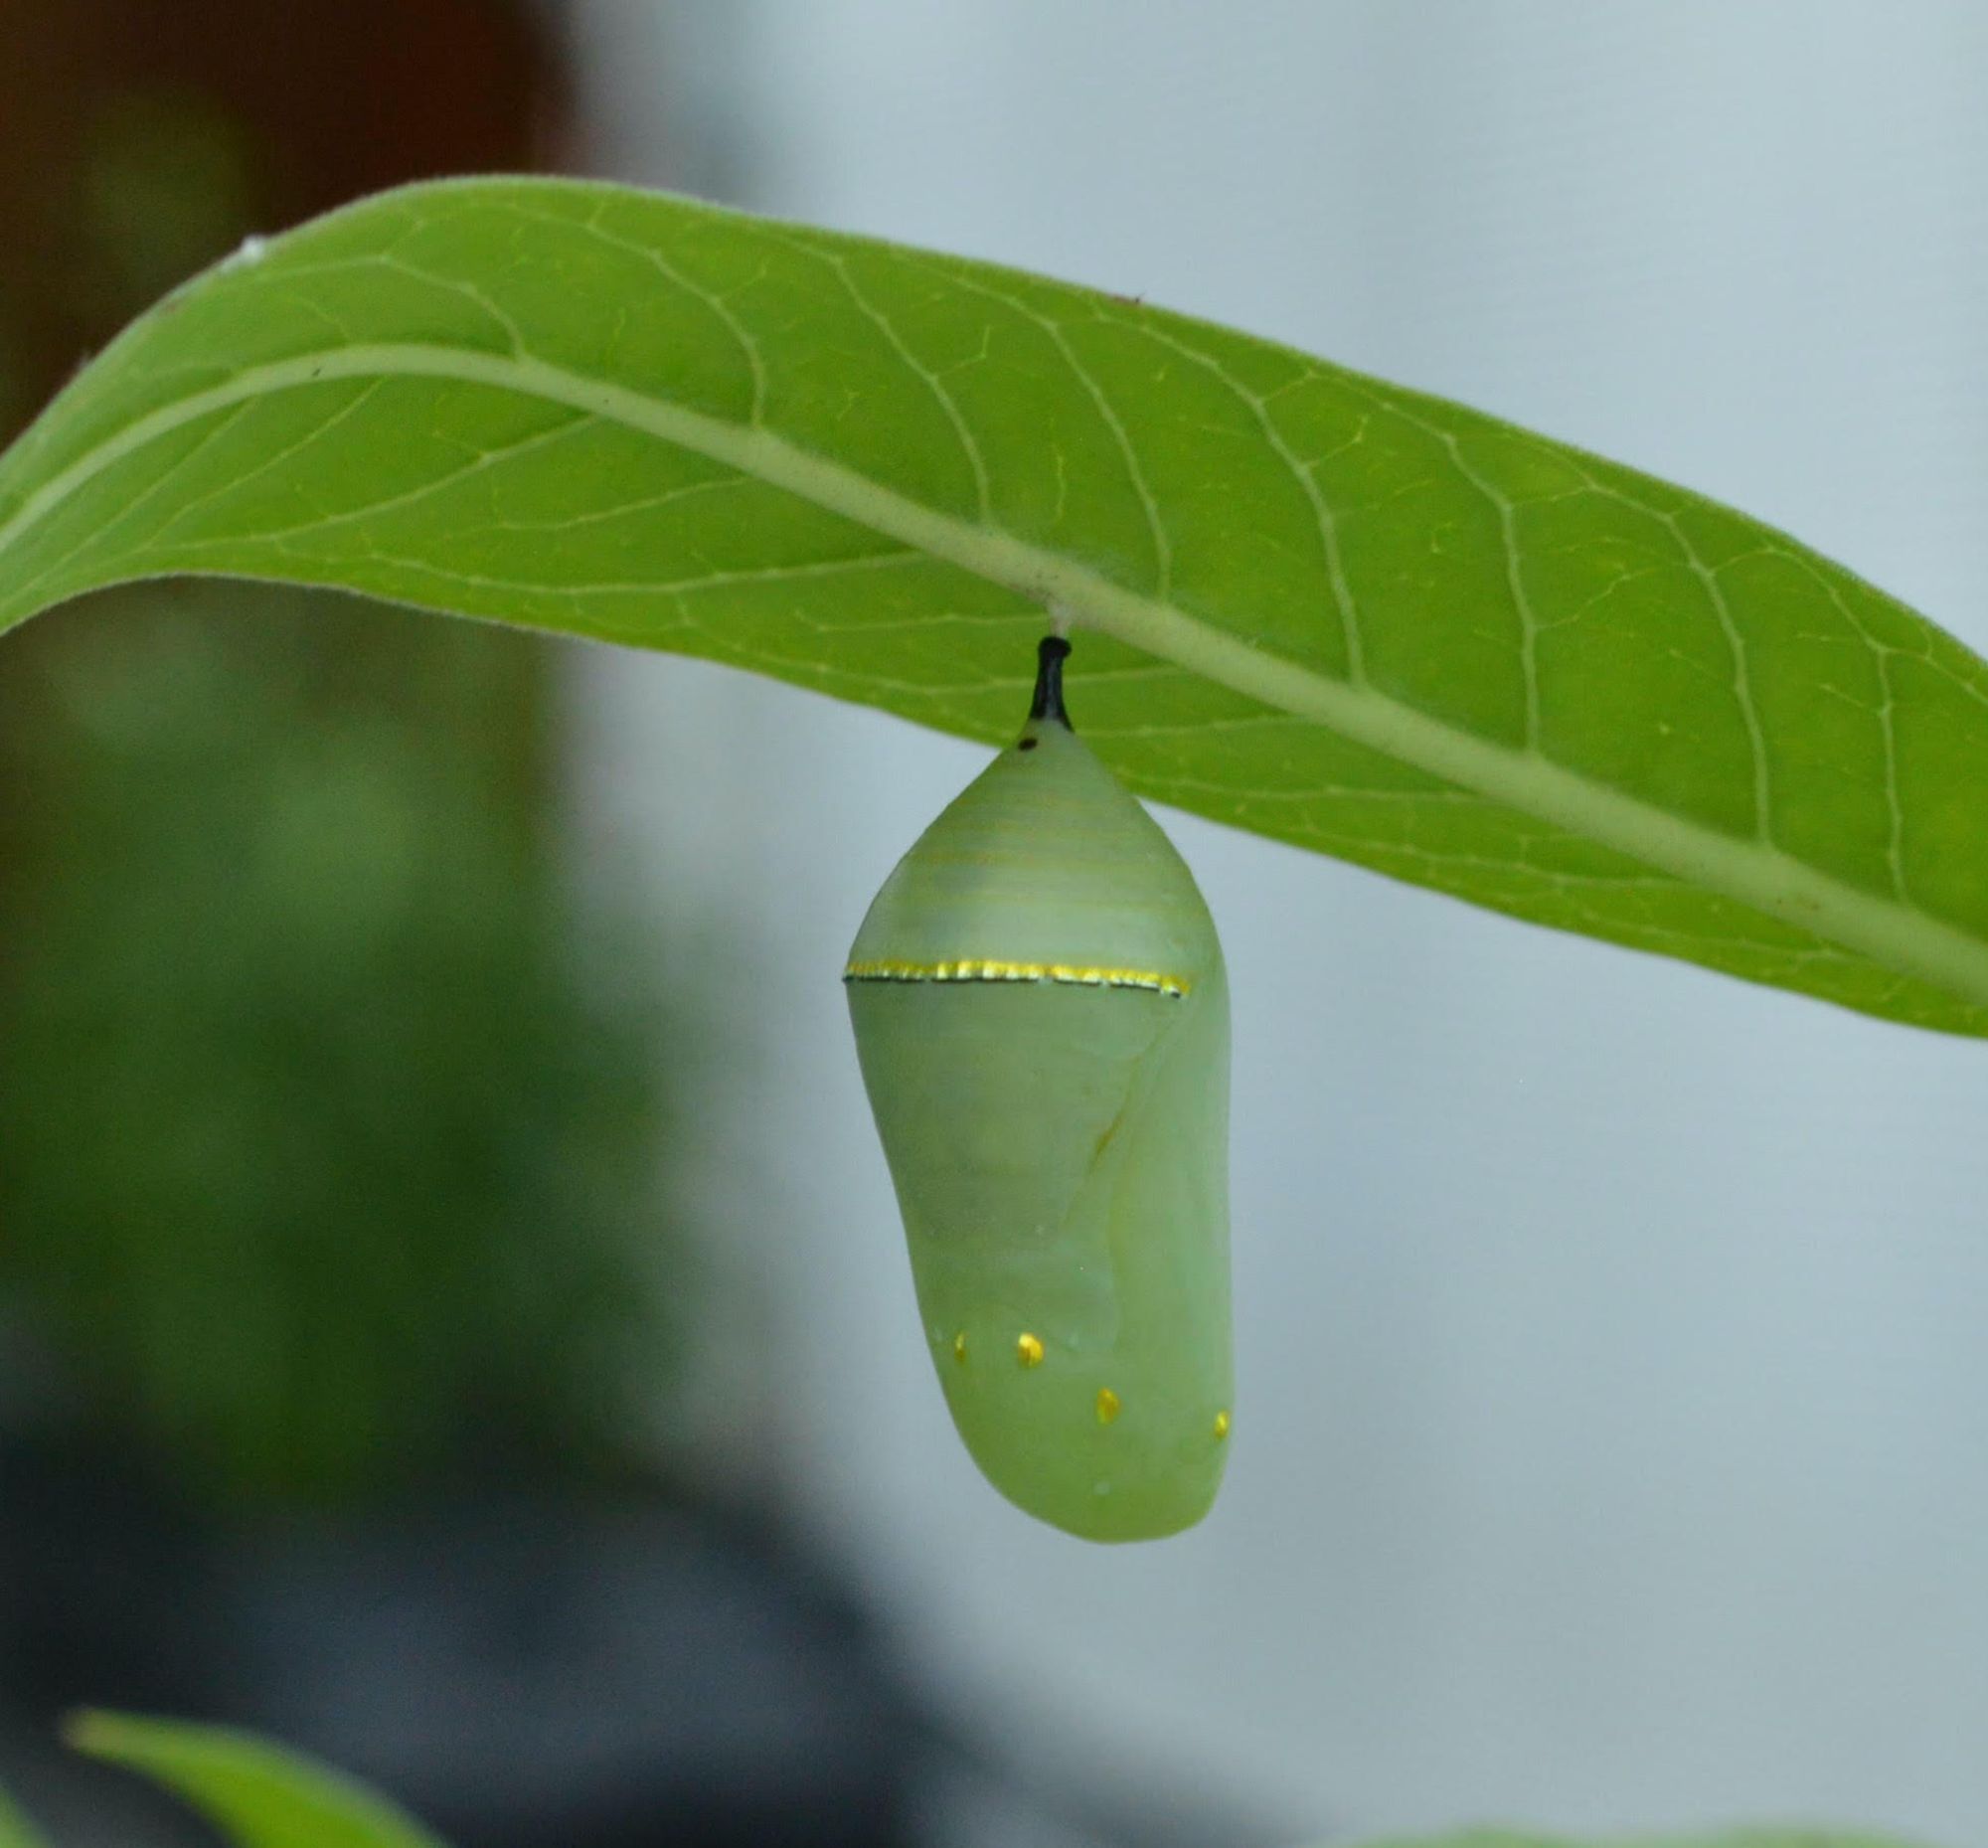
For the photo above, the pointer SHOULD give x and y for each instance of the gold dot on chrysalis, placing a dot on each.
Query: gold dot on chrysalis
(959, 1347)
(1220, 1425)
(1107, 1404)
(1028, 1351)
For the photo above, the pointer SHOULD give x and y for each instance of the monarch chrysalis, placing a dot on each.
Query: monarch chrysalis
(1042, 1018)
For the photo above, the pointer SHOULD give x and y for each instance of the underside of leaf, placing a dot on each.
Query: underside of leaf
(1328, 609)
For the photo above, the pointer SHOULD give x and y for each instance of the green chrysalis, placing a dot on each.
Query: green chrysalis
(1043, 1023)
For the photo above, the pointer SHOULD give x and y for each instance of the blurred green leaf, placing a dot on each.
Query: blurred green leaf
(1330, 610)
(15, 1829)
(268, 1797)
(259, 1794)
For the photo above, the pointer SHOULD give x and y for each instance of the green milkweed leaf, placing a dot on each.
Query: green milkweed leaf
(261, 1795)
(1335, 611)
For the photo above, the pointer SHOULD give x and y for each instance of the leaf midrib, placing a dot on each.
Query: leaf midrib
(1753, 872)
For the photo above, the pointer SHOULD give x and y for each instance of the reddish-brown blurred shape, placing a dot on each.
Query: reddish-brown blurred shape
(139, 139)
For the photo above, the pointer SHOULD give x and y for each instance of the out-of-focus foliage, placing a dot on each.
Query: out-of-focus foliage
(165, 180)
(15, 1831)
(322, 1138)
(261, 1795)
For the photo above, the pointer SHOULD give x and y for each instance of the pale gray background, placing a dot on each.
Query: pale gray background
(1610, 1433)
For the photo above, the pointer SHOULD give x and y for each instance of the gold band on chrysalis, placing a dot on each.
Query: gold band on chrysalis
(969, 969)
